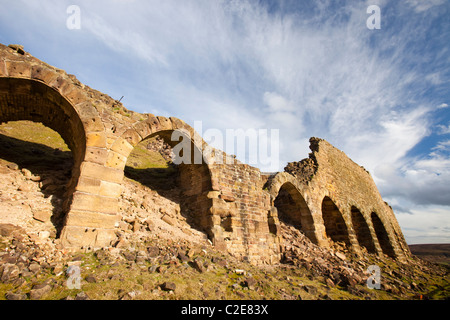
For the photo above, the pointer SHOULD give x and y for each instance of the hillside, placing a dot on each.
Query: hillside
(437, 253)
(159, 254)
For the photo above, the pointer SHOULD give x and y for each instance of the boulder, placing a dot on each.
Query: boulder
(168, 286)
(39, 291)
(9, 272)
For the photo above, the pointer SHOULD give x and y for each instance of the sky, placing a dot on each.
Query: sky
(288, 69)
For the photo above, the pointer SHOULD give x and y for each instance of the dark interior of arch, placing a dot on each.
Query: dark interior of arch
(23, 99)
(362, 230)
(293, 210)
(191, 179)
(335, 226)
(382, 236)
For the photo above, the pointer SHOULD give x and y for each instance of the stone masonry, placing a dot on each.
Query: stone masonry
(327, 196)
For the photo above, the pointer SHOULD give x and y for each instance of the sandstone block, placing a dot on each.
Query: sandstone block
(144, 129)
(132, 137)
(42, 215)
(95, 203)
(96, 139)
(77, 237)
(153, 122)
(110, 189)
(123, 147)
(90, 219)
(94, 124)
(93, 170)
(18, 69)
(116, 160)
(60, 83)
(165, 124)
(177, 123)
(74, 94)
(44, 74)
(88, 185)
(96, 155)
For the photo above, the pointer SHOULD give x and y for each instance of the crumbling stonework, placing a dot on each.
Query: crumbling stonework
(327, 197)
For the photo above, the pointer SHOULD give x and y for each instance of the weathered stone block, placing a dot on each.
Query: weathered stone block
(165, 124)
(96, 155)
(123, 147)
(18, 69)
(132, 137)
(95, 203)
(43, 74)
(116, 160)
(144, 129)
(74, 94)
(60, 83)
(42, 215)
(110, 189)
(177, 123)
(92, 124)
(96, 139)
(154, 123)
(94, 170)
(88, 185)
(90, 219)
(77, 237)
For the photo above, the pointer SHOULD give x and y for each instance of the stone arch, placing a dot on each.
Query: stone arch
(335, 226)
(382, 235)
(362, 230)
(195, 176)
(24, 99)
(27, 85)
(309, 220)
(32, 100)
(292, 209)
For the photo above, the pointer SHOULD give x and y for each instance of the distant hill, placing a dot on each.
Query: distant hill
(438, 253)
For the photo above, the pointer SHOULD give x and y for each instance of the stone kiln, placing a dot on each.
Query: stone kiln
(327, 196)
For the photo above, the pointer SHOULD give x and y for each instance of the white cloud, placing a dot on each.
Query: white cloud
(443, 145)
(443, 129)
(429, 224)
(277, 103)
(424, 5)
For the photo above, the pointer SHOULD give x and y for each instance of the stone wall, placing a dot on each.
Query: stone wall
(327, 196)
(344, 202)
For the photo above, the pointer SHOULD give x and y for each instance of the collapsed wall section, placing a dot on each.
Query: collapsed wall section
(341, 189)
(240, 214)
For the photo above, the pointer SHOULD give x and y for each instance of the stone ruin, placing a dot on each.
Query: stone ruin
(327, 197)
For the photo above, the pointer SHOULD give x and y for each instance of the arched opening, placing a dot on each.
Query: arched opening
(382, 236)
(34, 188)
(177, 193)
(293, 210)
(335, 226)
(362, 230)
(28, 110)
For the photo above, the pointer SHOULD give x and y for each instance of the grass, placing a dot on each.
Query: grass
(32, 145)
(141, 158)
(35, 133)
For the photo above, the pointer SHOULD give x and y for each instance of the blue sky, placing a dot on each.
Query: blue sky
(307, 68)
